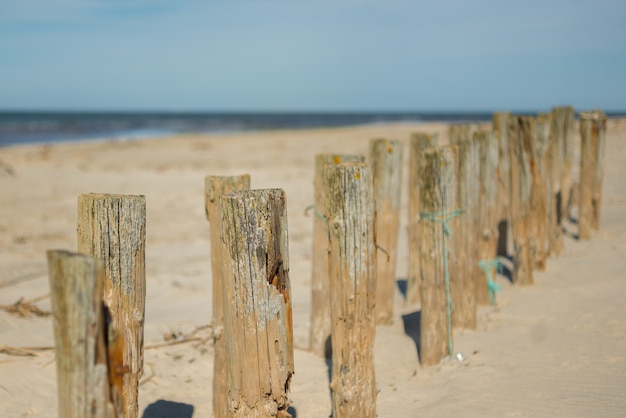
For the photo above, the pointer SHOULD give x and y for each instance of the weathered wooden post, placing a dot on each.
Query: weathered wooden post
(215, 186)
(593, 138)
(540, 193)
(521, 189)
(112, 228)
(488, 213)
(386, 166)
(352, 257)
(320, 296)
(567, 132)
(467, 273)
(439, 217)
(420, 142)
(462, 131)
(76, 285)
(258, 325)
(501, 129)
(555, 152)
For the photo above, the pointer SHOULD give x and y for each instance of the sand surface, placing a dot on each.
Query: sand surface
(557, 348)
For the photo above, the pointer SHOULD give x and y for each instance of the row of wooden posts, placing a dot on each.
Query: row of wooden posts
(466, 199)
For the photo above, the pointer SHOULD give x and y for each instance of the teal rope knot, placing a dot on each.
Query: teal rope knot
(486, 266)
(443, 218)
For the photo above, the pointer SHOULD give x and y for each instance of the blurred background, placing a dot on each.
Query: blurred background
(418, 59)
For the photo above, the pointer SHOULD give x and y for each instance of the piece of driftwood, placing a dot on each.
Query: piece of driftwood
(76, 284)
(112, 228)
(215, 186)
(386, 166)
(439, 217)
(352, 258)
(320, 306)
(258, 324)
(420, 141)
(26, 308)
(521, 189)
(593, 139)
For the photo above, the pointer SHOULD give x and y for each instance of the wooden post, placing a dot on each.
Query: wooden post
(215, 186)
(76, 285)
(593, 139)
(461, 131)
(320, 306)
(439, 219)
(555, 152)
(540, 193)
(467, 272)
(386, 165)
(488, 209)
(567, 132)
(521, 186)
(420, 142)
(352, 257)
(112, 228)
(501, 129)
(258, 325)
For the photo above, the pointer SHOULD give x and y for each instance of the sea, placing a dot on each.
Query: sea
(19, 127)
(48, 127)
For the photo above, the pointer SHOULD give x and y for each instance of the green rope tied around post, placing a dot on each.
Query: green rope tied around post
(443, 218)
(486, 266)
(315, 212)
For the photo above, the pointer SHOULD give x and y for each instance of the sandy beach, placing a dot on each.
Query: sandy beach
(557, 348)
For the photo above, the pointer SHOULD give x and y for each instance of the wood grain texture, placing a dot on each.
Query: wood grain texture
(386, 166)
(467, 272)
(438, 201)
(521, 189)
(488, 207)
(500, 122)
(593, 139)
(567, 138)
(76, 286)
(420, 141)
(555, 161)
(458, 132)
(319, 340)
(352, 257)
(258, 324)
(215, 186)
(541, 192)
(112, 228)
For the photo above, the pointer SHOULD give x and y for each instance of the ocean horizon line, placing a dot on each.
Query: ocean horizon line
(45, 126)
(279, 111)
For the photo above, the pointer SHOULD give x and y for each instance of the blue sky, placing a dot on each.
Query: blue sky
(323, 55)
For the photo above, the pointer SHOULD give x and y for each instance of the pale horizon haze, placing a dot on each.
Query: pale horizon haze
(299, 55)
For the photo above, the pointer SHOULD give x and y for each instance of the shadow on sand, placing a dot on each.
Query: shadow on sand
(169, 409)
(412, 328)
